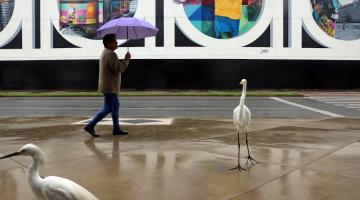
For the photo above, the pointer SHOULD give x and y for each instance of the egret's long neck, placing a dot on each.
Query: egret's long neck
(34, 178)
(243, 94)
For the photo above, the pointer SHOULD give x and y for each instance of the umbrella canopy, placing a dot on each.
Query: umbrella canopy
(127, 28)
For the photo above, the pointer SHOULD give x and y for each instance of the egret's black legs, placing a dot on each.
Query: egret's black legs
(238, 165)
(249, 158)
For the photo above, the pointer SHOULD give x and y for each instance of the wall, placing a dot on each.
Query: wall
(185, 74)
(283, 48)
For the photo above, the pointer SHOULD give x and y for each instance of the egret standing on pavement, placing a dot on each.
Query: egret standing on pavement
(51, 187)
(242, 120)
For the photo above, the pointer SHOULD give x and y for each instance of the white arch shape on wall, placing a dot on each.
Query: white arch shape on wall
(22, 19)
(299, 16)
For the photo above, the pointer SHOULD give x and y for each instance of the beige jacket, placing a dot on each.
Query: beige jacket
(110, 69)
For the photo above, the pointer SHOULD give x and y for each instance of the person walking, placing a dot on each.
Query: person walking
(110, 70)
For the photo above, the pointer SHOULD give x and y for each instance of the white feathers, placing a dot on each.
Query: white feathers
(242, 118)
(242, 114)
(51, 187)
(57, 188)
(33, 151)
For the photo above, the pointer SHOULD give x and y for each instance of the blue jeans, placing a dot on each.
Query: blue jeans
(111, 104)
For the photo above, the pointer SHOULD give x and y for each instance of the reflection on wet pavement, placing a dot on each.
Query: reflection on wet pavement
(299, 159)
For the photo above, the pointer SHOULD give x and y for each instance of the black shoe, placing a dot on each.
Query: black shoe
(91, 131)
(120, 132)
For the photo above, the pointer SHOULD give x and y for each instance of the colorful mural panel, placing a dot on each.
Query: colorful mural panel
(6, 10)
(222, 18)
(83, 17)
(78, 20)
(325, 14)
(339, 19)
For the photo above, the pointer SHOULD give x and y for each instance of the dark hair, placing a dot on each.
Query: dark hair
(108, 38)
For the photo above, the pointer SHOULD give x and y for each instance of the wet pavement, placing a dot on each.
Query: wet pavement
(189, 159)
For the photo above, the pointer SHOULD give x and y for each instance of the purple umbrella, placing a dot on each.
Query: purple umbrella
(127, 28)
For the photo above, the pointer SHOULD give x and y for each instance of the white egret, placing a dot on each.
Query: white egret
(51, 187)
(242, 120)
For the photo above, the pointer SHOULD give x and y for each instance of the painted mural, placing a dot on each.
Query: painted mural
(222, 29)
(222, 19)
(83, 17)
(339, 19)
(6, 10)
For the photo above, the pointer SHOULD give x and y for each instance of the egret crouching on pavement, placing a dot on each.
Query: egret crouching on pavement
(51, 187)
(242, 120)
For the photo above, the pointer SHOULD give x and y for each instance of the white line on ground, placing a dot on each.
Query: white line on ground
(341, 101)
(346, 104)
(58, 101)
(352, 107)
(131, 121)
(306, 107)
(137, 108)
(132, 101)
(334, 98)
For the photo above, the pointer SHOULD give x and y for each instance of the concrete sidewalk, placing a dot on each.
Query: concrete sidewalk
(299, 159)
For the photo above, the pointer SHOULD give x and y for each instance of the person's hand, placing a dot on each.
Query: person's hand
(127, 56)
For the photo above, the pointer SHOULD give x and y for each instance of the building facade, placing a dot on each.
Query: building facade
(52, 44)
